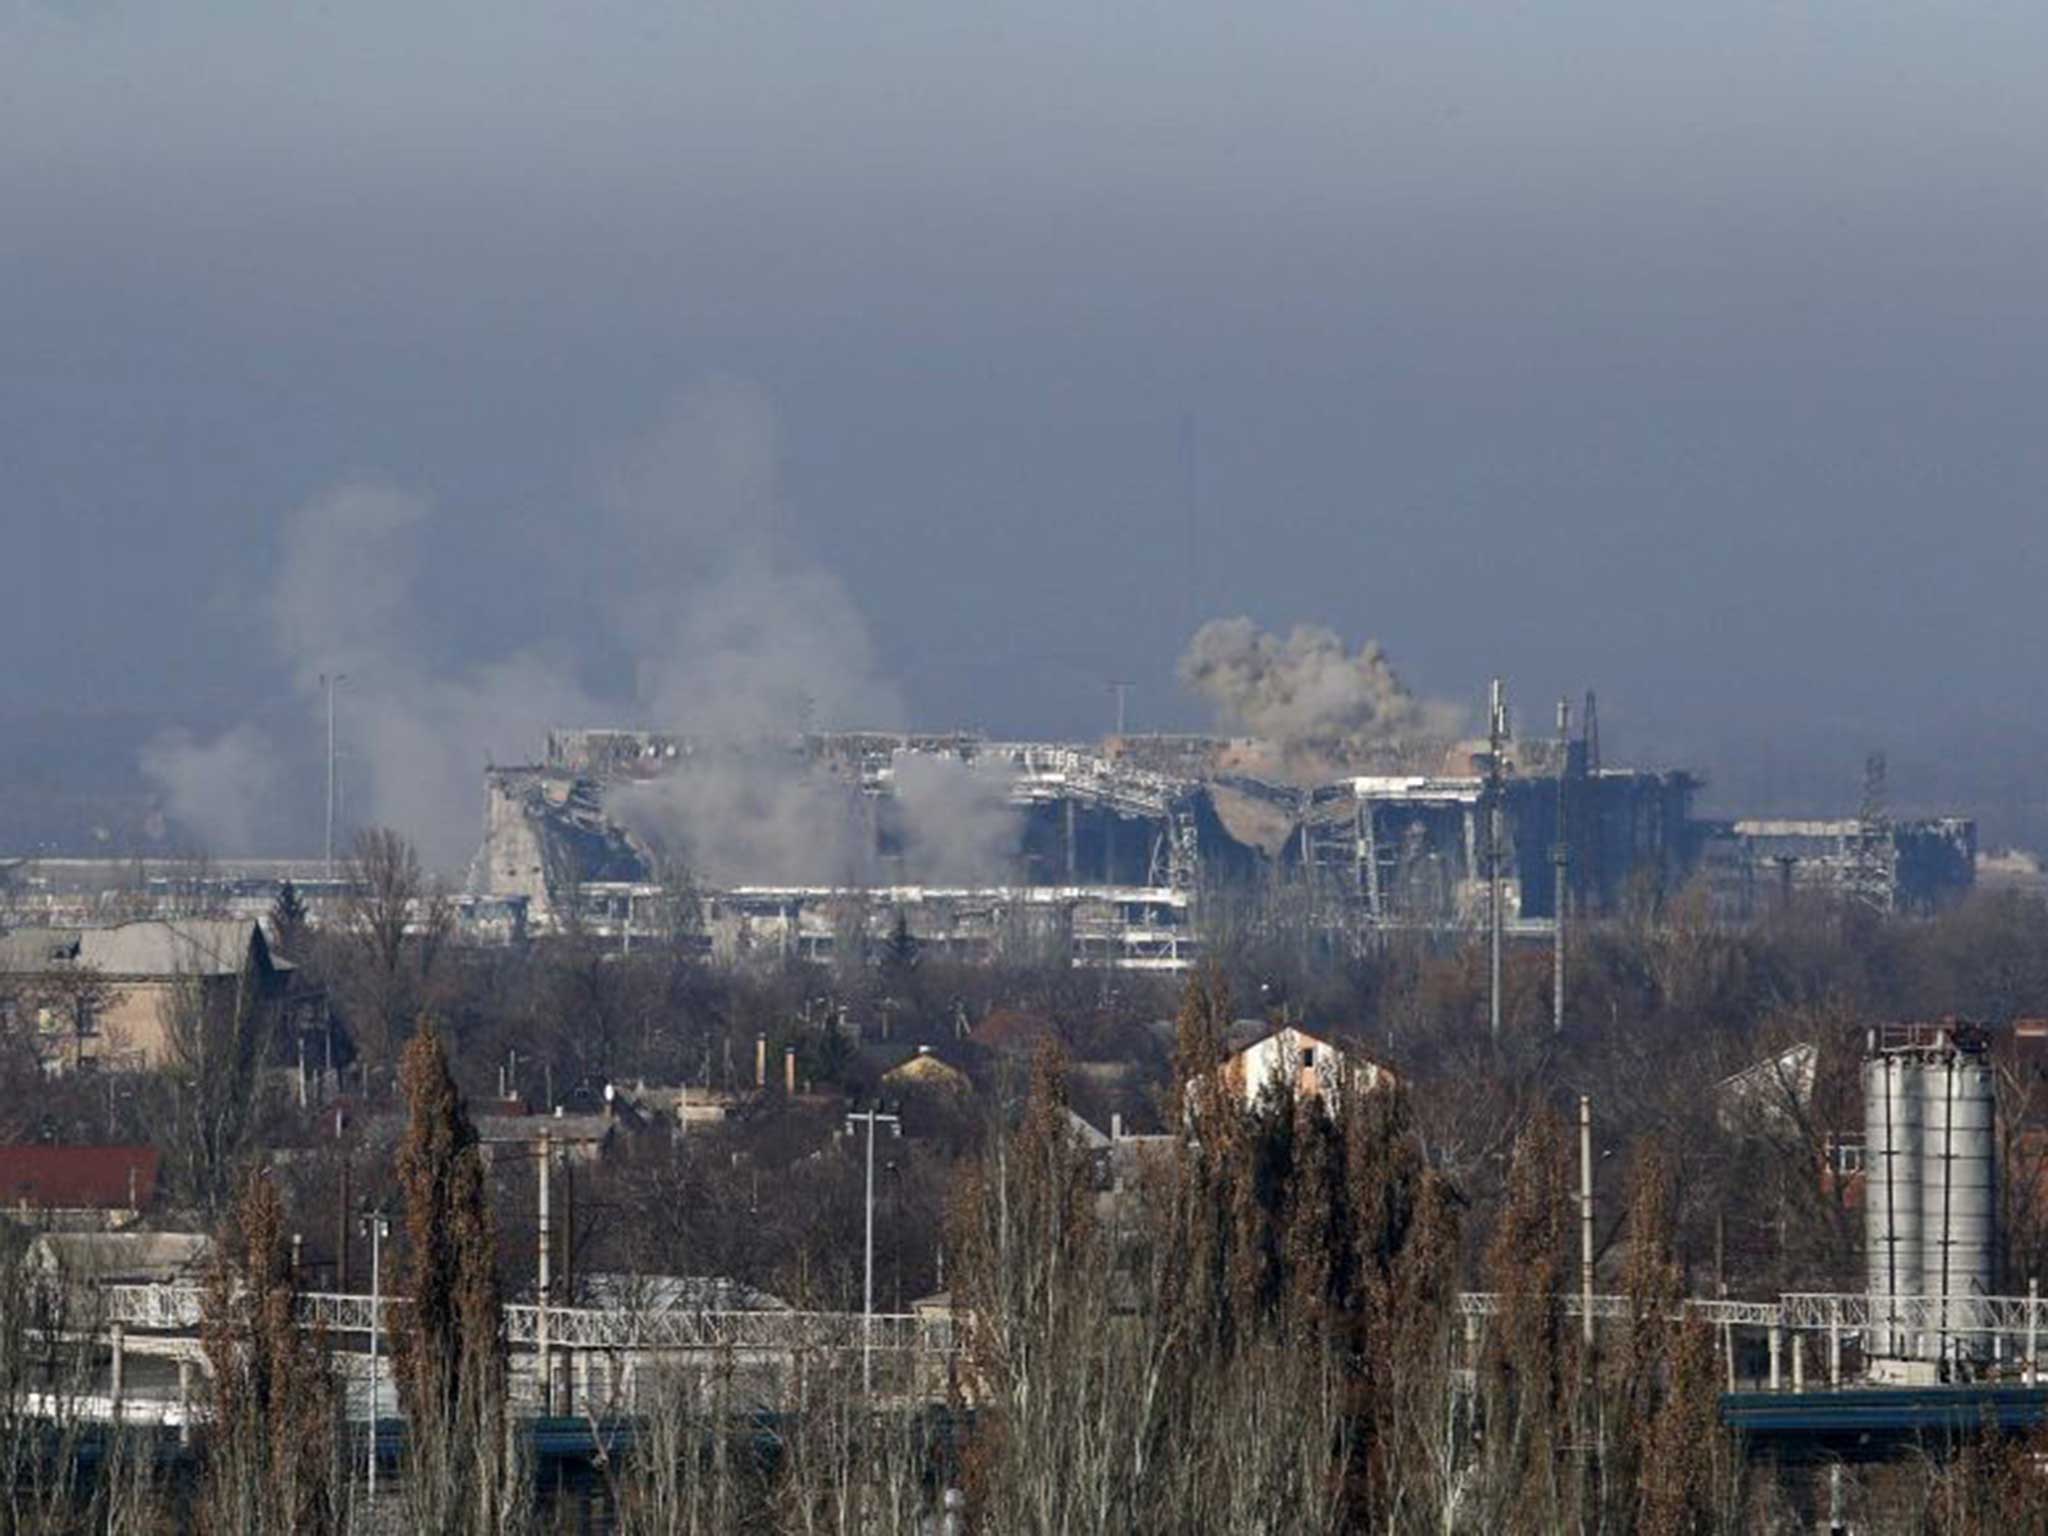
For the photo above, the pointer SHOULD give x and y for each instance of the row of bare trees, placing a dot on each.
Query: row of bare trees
(1253, 1327)
(1261, 1334)
(1264, 1338)
(276, 1453)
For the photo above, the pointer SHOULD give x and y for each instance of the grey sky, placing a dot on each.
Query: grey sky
(1697, 353)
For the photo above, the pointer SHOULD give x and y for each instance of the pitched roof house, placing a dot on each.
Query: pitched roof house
(104, 996)
(1260, 1054)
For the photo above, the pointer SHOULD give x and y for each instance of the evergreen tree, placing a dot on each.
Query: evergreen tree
(288, 921)
(899, 952)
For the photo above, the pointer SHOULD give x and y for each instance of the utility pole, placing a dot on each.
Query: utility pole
(341, 1247)
(867, 1279)
(330, 681)
(1496, 742)
(1586, 1219)
(378, 1227)
(547, 1365)
(1190, 597)
(1560, 855)
(867, 1297)
(569, 1232)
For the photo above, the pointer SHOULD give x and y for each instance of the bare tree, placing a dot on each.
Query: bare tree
(1254, 1339)
(274, 1450)
(689, 1472)
(218, 1042)
(449, 1348)
(68, 1003)
(1529, 1381)
(43, 1376)
(1687, 1479)
(398, 920)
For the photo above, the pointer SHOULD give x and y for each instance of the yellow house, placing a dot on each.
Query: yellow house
(104, 997)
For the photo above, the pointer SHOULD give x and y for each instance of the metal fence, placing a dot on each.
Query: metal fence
(177, 1309)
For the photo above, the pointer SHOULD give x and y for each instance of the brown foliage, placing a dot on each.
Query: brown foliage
(1684, 1441)
(1531, 1364)
(449, 1352)
(272, 1452)
(1259, 1342)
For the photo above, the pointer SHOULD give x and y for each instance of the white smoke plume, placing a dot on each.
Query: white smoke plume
(347, 602)
(1307, 688)
(217, 790)
(757, 813)
(738, 632)
(751, 815)
(959, 827)
(686, 561)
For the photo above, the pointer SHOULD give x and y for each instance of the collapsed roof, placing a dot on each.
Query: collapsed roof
(1397, 830)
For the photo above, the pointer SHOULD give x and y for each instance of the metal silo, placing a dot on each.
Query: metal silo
(1891, 1194)
(1957, 1220)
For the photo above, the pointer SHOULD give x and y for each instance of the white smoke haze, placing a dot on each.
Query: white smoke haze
(753, 815)
(347, 601)
(957, 823)
(738, 633)
(217, 790)
(1308, 688)
(747, 645)
(686, 559)
(760, 814)
(343, 597)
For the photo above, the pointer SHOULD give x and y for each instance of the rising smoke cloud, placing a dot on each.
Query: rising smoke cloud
(346, 602)
(756, 813)
(1308, 688)
(216, 789)
(750, 814)
(687, 562)
(959, 827)
(736, 631)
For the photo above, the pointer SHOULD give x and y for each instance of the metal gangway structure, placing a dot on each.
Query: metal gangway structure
(563, 1359)
(1999, 1334)
(603, 1360)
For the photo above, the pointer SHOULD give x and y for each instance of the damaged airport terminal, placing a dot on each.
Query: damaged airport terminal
(1107, 851)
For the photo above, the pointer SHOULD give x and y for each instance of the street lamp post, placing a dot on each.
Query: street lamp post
(867, 1290)
(543, 1350)
(895, 1171)
(376, 1226)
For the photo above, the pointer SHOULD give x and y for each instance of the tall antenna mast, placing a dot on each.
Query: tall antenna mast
(331, 681)
(1121, 687)
(1190, 597)
(1496, 743)
(1592, 875)
(1872, 871)
(1560, 855)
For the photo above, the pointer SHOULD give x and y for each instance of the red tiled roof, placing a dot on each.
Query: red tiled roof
(77, 1178)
